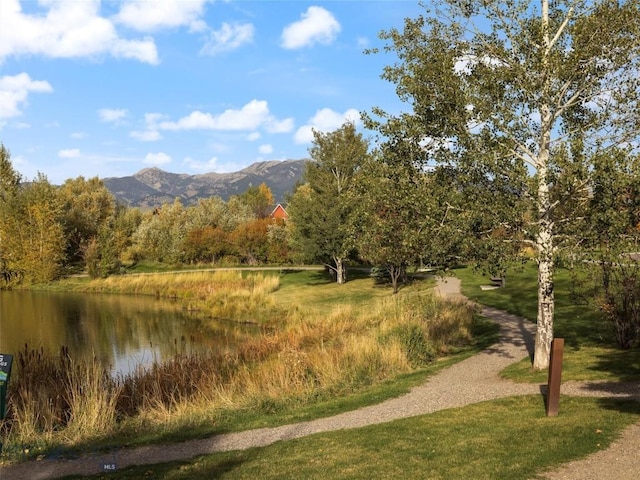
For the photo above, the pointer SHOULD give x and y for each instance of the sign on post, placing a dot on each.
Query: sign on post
(555, 374)
(5, 373)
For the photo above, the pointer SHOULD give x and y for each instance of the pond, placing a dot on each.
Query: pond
(123, 331)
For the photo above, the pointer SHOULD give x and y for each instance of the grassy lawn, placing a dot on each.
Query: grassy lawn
(590, 352)
(315, 290)
(503, 439)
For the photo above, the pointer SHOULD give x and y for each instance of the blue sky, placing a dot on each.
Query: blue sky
(190, 86)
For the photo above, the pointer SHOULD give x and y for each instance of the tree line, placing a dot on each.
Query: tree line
(48, 231)
(521, 137)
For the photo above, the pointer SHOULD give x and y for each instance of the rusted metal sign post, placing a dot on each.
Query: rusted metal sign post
(555, 373)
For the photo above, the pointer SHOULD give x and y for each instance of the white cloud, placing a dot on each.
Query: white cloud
(112, 115)
(325, 120)
(144, 51)
(22, 125)
(250, 117)
(151, 16)
(69, 153)
(280, 126)
(265, 149)
(150, 133)
(146, 135)
(151, 119)
(229, 37)
(14, 91)
(67, 29)
(304, 134)
(199, 166)
(317, 25)
(78, 135)
(194, 121)
(253, 136)
(159, 158)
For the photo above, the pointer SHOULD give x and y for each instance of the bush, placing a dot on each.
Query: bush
(416, 345)
(620, 300)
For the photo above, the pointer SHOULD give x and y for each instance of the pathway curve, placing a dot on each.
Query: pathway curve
(473, 380)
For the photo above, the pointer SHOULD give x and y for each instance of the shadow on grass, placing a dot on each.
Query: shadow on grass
(623, 363)
(620, 405)
(623, 397)
(581, 325)
(324, 277)
(305, 277)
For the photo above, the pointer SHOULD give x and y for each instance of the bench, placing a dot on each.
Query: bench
(497, 281)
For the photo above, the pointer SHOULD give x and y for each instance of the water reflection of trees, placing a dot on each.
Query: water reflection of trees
(121, 330)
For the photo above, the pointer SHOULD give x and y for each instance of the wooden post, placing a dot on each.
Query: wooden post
(555, 373)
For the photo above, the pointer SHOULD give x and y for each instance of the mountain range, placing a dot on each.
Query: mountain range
(151, 187)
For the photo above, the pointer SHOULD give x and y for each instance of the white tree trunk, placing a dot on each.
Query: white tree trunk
(341, 276)
(546, 301)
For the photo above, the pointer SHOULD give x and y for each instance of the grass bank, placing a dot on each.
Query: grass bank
(333, 348)
(590, 351)
(503, 439)
(230, 294)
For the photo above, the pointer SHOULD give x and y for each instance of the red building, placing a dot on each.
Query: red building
(279, 213)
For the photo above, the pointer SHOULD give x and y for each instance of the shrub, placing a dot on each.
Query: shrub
(620, 298)
(415, 344)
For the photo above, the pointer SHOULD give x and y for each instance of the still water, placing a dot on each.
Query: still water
(123, 331)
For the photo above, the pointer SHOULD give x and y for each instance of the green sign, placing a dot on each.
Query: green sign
(5, 373)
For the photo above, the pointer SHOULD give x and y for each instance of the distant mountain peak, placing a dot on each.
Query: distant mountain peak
(150, 169)
(152, 186)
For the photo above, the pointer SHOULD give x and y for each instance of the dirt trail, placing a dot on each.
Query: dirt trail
(473, 380)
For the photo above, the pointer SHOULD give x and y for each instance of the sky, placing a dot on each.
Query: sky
(91, 88)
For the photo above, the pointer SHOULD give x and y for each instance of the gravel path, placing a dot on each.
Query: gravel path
(470, 381)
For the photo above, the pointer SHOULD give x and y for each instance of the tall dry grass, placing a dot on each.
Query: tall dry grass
(54, 400)
(53, 397)
(221, 294)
